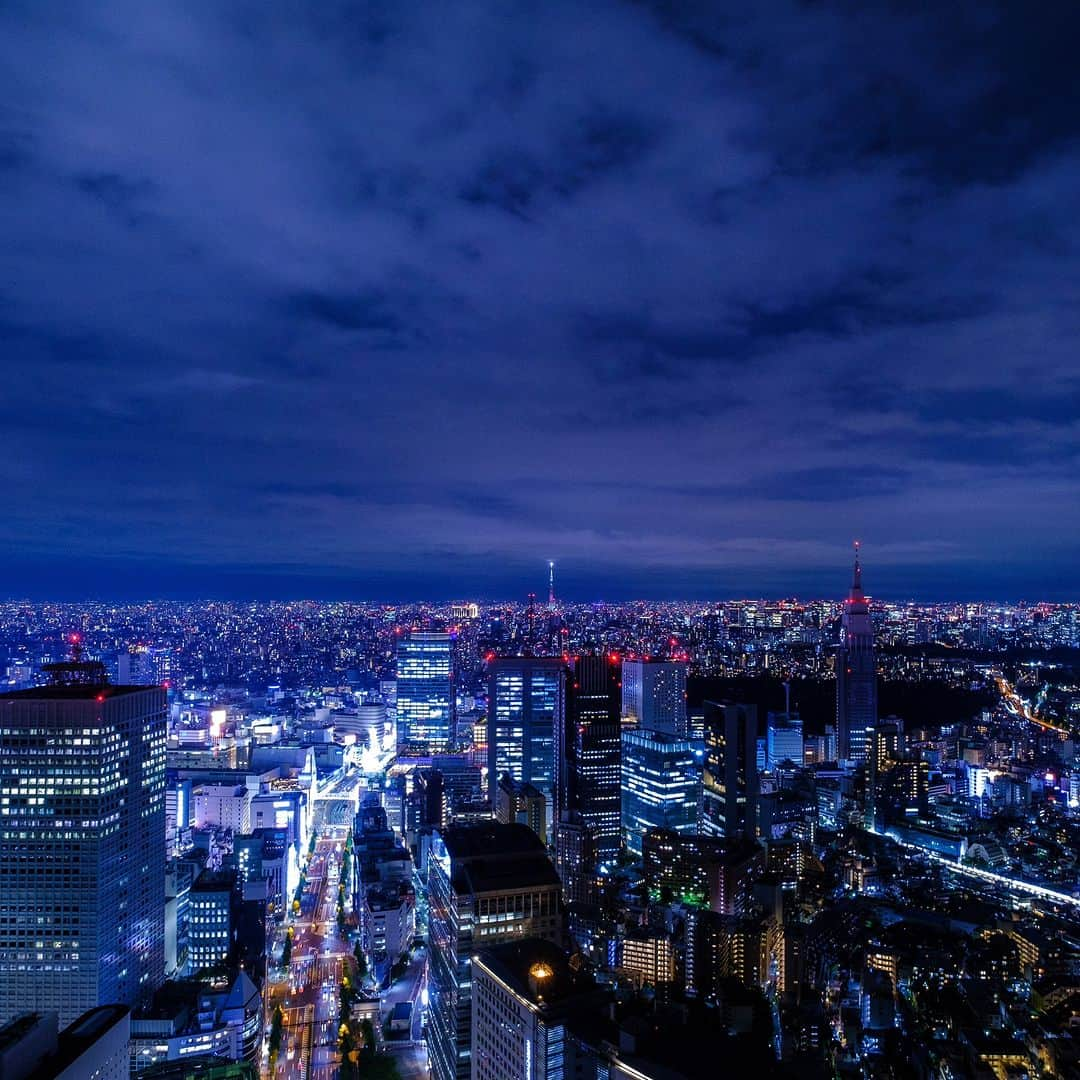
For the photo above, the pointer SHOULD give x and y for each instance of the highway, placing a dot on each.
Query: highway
(1019, 707)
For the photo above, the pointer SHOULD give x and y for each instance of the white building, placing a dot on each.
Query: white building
(222, 806)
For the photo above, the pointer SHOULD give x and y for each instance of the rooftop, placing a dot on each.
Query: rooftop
(76, 692)
(536, 969)
(491, 840)
(77, 1038)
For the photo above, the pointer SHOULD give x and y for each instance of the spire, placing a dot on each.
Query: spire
(856, 579)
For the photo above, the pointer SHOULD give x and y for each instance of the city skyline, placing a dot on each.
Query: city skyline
(406, 302)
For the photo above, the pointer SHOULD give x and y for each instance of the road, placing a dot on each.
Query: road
(1019, 707)
(320, 958)
(411, 1053)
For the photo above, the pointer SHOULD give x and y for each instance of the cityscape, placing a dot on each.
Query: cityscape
(477, 840)
(539, 541)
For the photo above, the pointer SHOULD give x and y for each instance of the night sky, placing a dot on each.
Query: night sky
(394, 300)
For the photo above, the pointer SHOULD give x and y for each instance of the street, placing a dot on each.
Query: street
(320, 958)
(409, 1053)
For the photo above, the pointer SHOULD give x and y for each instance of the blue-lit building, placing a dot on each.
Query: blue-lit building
(783, 740)
(425, 689)
(526, 700)
(82, 845)
(654, 694)
(661, 785)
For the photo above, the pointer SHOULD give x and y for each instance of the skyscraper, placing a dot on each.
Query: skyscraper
(660, 785)
(730, 785)
(425, 689)
(526, 701)
(856, 675)
(588, 753)
(783, 739)
(486, 884)
(654, 694)
(82, 844)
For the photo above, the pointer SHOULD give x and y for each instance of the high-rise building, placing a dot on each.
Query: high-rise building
(730, 784)
(575, 859)
(211, 920)
(523, 803)
(486, 884)
(783, 740)
(588, 753)
(82, 844)
(526, 702)
(425, 689)
(654, 694)
(661, 785)
(856, 675)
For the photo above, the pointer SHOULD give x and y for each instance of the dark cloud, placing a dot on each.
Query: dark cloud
(387, 296)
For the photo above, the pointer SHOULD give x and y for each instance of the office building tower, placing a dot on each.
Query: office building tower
(425, 689)
(588, 753)
(486, 884)
(141, 665)
(522, 803)
(730, 783)
(526, 702)
(212, 905)
(783, 740)
(526, 998)
(82, 843)
(654, 695)
(93, 1047)
(575, 859)
(856, 675)
(661, 785)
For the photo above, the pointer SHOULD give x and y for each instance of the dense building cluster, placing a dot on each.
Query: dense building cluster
(616, 841)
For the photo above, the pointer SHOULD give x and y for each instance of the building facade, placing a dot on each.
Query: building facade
(589, 753)
(486, 884)
(425, 689)
(856, 675)
(82, 846)
(654, 694)
(661, 785)
(526, 702)
(730, 782)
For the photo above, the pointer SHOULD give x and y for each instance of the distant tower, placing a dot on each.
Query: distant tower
(551, 583)
(856, 674)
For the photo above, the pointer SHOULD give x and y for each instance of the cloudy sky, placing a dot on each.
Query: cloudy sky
(400, 299)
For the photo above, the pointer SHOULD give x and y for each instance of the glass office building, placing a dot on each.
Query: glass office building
(661, 785)
(82, 847)
(526, 699)
(425, 689)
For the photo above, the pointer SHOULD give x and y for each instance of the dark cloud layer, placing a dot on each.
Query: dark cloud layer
(392, 300)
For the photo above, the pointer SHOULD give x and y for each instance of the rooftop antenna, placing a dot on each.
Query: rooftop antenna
(77, 671)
